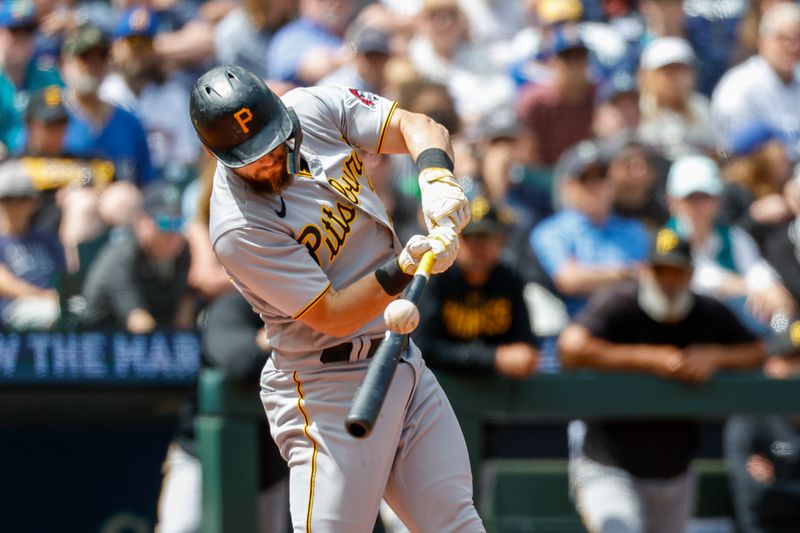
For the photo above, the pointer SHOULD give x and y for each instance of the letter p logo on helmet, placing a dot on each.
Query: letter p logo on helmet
(243, 116)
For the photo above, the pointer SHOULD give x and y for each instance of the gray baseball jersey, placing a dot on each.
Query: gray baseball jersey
(284, 252)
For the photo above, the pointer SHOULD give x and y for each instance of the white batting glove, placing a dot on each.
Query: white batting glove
(410, 256)
(444, 245)
(443, 200)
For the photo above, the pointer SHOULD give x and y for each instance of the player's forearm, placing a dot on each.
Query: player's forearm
(342, 313)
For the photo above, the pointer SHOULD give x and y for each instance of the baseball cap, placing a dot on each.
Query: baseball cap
(83, 39)
(17, 14)
(372, 40)
(750, 138)
(558, 11)
(16, 180)
(47, 105)
(562, 39)
(137, 21)
(485, 218)
(692, 174)
(669, 249)
(162, 202)
(667, 51)
(577, 160)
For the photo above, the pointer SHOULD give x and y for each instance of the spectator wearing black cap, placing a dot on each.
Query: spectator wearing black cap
(139, 281)
(30, 261)
(756, 170)
(21, 70)
(96, 128)
(586, 246)
(244, 36)
(46, 121)
(762, 454)
(140, 85)
(639, 179)
(365, 71)
(474, 317)
(634, 475)
(558, 114)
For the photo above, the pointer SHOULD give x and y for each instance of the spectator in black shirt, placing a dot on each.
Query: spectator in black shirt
(633, 475)
(763, 454)
(473, 317)
(138, 282)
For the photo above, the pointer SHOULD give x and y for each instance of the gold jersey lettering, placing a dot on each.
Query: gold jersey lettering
(474, 319)
(337, 227)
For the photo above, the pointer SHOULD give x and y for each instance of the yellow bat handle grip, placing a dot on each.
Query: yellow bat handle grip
(426, 264)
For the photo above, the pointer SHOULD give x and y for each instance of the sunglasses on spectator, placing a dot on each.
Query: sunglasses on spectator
(139, 41)
(574, 55)
(94, 54)
(443, 14)
(168, 224)
(593, 175)
(23, 31)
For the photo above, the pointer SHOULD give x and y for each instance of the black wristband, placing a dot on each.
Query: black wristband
(392, 279)
(434, 158)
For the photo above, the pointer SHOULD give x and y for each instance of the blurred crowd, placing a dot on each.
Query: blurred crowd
(631, 166)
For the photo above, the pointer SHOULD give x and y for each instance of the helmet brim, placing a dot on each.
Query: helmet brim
(256, 147)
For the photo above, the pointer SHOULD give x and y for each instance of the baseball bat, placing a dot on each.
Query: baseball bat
(370, 395)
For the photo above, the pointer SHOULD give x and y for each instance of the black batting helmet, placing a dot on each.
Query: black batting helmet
(238, 118)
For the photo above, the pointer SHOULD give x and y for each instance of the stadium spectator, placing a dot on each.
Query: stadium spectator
(140, 86)
(765, 88)
(139, 280)
(474, 318)
(728, 264)
(638, 181)
(307, 49)
(558, 114)
(616, 106)
(21, 70)
(780, 243)
(30, 261)
(762, 453)
(749, 25)
(441, 52)
(634, 475)
(586, 246)
(46, 120)
(243, 37)
(755, 173)
(234, 341)
(675, 118)
(366, 70)
(96, 128)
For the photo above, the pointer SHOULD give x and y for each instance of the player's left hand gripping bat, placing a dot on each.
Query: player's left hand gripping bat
(370, 394)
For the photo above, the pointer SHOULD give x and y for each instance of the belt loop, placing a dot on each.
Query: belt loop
(358, 348)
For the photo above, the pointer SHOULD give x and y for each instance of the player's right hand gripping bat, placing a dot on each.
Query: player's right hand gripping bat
(370, 394)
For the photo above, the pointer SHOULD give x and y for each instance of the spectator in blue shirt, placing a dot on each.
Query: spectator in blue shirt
(96, 128)
(309, 48)
(21, 70)
(586, 246)
(30, 260)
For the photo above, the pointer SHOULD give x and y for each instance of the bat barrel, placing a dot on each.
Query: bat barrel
(369, 397)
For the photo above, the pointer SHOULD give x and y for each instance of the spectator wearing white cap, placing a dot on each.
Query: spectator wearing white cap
(676, 118)
(765, 88)
(728, 264)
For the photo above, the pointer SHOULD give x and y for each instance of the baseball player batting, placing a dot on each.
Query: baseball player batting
(297, 225)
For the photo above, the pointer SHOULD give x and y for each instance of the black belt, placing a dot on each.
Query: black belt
(341, 352)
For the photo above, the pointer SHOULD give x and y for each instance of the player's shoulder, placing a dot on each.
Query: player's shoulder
(332, 96)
